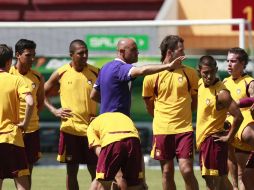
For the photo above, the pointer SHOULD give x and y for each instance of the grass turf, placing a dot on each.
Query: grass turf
(54, 179)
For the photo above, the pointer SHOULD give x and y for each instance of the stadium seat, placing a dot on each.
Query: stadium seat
(9, 15)
(78, 10)
(93, 10)
(88, 15)
(14, 2)
(95, 5)
(11, 10)
(50, 2)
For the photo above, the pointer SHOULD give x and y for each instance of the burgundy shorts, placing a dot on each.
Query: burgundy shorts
(125, 155)
(213, 157)
(13, 162)
(166, 147)
(74, 149)
(250, 161)
(32, 146)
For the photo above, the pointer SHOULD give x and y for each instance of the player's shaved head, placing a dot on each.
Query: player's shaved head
(124, 43)
(127, 50)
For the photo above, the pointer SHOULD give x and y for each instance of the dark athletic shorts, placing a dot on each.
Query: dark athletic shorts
(125, 155)
(166, 147)
(74, 149)
(13, 161)
(32, 146)
(213, 157)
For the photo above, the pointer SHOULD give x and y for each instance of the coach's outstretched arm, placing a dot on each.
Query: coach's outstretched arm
(151, 69)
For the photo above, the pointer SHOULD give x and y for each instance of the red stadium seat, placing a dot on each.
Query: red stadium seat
(50, 2)
(14, 2)
(88, 15)
(9, 15)
(78, 10)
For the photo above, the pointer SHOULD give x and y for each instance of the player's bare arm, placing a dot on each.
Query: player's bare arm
(40, 94)
(97, 150)
(28, 112)
(224, 100)
(194, 102)
(251, 93)
(149, 102)
(251, 89)
(95, 95)
(53, 85)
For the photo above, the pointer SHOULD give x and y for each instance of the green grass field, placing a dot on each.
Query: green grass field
(54, 179)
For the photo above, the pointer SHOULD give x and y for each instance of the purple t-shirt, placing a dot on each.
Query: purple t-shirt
(114, 85)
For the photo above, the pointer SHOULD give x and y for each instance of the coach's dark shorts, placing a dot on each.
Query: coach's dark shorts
(32, 146)
(213, 157)
(74, 149)
(125, 154)
(166, 147)
(13, 162)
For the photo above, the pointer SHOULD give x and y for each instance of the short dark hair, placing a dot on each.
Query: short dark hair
(23, 44)
(6, 54)
(74, 43)
(169, 42)
(242, 54)
(207, 60)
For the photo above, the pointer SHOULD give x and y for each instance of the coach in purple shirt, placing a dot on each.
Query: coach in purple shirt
(113, 86)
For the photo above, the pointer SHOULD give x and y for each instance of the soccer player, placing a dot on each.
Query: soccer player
(170, 98)
(74, 82)
(241, 85)
(25, 54)
(115, 139)
(113, 86)
(214, 101)
(13, 162)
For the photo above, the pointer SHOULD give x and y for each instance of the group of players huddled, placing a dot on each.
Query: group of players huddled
(110, 144)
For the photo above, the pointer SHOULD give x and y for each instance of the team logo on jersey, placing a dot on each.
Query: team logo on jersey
(207, 101)
(238, 91)
(33, 85)
(89, 82)
(180, 79)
